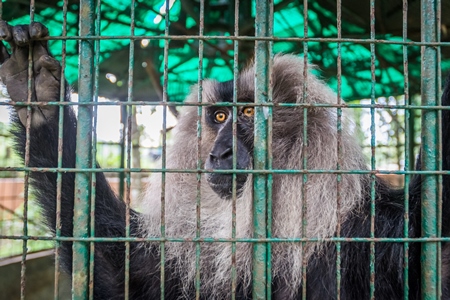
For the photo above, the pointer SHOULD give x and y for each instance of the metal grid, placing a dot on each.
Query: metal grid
(84, 236)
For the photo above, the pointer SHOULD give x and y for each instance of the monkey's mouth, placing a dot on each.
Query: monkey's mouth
(222, 184)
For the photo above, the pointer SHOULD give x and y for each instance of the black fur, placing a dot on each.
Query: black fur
(145, 273)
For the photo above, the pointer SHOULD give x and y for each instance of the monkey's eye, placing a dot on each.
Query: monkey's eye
(220, 116)
(248, 111)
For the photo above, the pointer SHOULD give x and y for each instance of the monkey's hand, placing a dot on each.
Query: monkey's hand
(46, 75)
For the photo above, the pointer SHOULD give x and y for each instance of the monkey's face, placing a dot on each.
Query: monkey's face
(220, 120)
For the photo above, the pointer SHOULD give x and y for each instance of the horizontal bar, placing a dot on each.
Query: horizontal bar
(224, 240)
(254, 171)
(248, 38)
(230, 104)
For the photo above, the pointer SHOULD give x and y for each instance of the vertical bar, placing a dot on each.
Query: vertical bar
(234, 129)
(429, 82)
(129, 109)
(269, 156)
(199, 151)
(163, 154)
(409, 147)
(339, 149)
(80, 263)
(439, 154)
(94, 150)
(262, 57)
(62, 98)
(372, 146)
(305, 146)
(27, 159)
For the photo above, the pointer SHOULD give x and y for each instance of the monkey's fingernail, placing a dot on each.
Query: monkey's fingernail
(20, 35)
(38, 30)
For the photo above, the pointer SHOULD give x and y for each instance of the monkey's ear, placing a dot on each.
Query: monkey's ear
(288, 78)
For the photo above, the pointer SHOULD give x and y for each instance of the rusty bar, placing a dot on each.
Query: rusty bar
(80, 263)
(128, 149)
(305, 146)
(429, 88)
(94, 152)
(163, 154)
(372, 146)
(409, 150)
(269, 156)
(339, 149)
(262, 60)
(234, 128)
(199, 149)
(62, 93)
(27, 158)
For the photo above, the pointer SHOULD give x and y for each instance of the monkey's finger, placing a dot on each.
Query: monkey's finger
(39, 31)
(20, 44)
(49, 63)
(20, 35)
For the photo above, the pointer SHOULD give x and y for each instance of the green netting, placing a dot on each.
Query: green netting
(218, 53)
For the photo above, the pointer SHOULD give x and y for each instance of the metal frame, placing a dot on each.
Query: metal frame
(85, 170)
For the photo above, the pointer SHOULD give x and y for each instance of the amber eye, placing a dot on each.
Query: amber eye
(248, 111)
(220, 116)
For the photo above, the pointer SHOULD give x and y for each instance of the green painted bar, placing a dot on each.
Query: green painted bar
(409, 150)
(430, 145)
(199, 150)
(80, 264)
(262, 57)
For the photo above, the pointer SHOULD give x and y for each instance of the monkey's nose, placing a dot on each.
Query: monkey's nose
(215, 155)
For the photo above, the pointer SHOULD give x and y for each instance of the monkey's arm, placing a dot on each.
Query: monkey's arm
(110, 211)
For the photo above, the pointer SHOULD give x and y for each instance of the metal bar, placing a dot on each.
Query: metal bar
(372, 146)
(339, 149)
(439, 154)
(27, 159)
(93, 162)
(253, 38)
(199, 150)
(62, 94)
(238, 171)
(128, 150)
(229, 104)
(409, 152)
(304, 147)
(226, 240)
(163, 155)
(269, 157)
(429, 88)
(80, 264)
(94, 150)
(234, 129)
(262, 57)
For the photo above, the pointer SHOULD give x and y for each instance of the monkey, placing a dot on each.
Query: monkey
(330, 207)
